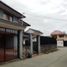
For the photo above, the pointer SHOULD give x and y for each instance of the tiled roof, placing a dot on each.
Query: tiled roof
(57, 32)
(35, 30)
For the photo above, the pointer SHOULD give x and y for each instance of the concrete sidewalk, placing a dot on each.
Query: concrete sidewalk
(55, 59)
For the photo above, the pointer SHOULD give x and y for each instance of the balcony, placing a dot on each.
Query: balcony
(11, 25)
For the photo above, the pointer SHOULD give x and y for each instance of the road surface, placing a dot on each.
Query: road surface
(55, 59)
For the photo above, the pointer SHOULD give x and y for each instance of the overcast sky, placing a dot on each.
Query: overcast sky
(43, 15)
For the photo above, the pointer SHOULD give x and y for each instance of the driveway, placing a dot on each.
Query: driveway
(55, 59)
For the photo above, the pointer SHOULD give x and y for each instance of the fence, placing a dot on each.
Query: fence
(48, 44)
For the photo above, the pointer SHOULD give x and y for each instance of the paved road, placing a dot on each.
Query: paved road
(55, 59)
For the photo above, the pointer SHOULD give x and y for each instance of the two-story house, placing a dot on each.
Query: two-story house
(11, 33)
(61, 38)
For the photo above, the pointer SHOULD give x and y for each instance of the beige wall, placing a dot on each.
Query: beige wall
(65, 38)
(60, 43)
(62, 38)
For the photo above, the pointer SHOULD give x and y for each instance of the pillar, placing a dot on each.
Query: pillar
(31, 44)
(38, 42)
(21, 44)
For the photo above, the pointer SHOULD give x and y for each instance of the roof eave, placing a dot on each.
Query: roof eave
(18, 14)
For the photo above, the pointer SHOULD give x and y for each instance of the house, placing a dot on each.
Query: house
(11, 33)
(35, 43)
(34, 37)
(61, 38)
(32, 41)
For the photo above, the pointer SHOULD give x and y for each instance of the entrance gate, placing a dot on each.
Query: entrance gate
(8, 50)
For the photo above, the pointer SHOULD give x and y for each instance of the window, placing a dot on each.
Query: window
(14, 19)
(61, 35)
(7, 17)
(1, 14)
(10, 18)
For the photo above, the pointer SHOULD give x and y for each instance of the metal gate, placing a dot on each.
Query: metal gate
(7, 48)
(65, 43)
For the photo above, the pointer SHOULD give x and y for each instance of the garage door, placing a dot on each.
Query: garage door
(65, 43)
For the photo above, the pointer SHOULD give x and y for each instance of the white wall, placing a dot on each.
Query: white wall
(60, 43)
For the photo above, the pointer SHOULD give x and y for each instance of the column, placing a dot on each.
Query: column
(21, 44)
(31, 44)
(38, 42)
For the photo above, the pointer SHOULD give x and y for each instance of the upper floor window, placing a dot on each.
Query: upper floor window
(14, 19)
(7, 17)
(61, 36)
(1, 13)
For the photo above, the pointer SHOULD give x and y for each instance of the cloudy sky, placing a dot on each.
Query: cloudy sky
(43, 15)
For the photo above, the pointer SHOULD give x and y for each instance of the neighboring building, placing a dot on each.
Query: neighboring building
(11, 33)
(61, 38)
(34, 43)
(32, 36)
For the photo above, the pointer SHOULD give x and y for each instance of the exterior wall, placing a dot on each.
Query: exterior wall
(60, 40)
(30, 31)
(65, 38)
(60, 43)
(6, 22)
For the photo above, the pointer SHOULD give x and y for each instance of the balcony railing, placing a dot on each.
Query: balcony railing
(18, 23)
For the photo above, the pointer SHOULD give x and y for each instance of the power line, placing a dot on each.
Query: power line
(55, 18)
